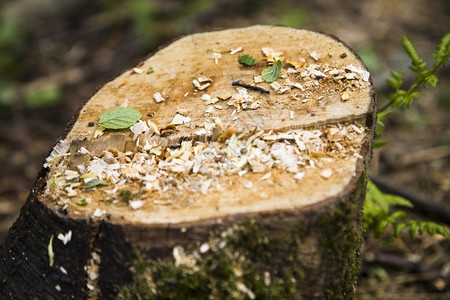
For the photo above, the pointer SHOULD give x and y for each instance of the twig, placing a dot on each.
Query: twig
(237, 82)
(438, 210)
(392, 260)
(422, 156)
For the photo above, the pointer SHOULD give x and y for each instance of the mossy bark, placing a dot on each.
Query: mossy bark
(315, 256)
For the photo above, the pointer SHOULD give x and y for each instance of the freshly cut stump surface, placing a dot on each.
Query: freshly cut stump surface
(228, 185)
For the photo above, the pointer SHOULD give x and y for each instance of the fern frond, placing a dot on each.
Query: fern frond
(442, 52)
(415, 227)
(397, 201)
(418, 64)
(381, 115)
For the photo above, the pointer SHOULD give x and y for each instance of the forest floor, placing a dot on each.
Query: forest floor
(55, 54)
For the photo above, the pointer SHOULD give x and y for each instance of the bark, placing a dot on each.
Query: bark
(276, 216)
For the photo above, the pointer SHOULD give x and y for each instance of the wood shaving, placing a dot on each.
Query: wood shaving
(258, 79)
(203, 79)
(206, 97)
(212, 101)
(271, 55)
(326, 174)
(315, 56)
(216, 56)
(345, 96)
(200, 86)
(98, 213)
(157, 97)
(234, 51)
(299, 176)
(180, 119)
(265, 177)
(65, 238)
(136, 204)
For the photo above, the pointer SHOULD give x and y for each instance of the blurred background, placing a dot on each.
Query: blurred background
(54, 54)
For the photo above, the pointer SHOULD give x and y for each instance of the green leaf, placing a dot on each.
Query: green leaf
(119, 118)
(95, 182)
(51, 254)
(82, 202)
(380, 144)
(271, 73)
(247, 60)
(150, 71)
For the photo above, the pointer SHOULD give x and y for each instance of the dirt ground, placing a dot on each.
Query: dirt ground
(54, 54)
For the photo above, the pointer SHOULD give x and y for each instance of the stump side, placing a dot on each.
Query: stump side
(25, 270)
(286, 256)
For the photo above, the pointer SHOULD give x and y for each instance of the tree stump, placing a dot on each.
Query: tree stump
(228, 187)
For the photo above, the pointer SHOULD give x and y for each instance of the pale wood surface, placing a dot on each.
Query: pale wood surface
(178, 64)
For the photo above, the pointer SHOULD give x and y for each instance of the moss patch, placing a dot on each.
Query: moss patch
(341, 248)
(245, 261)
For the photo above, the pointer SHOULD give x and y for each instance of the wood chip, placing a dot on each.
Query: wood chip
(299, 176)
(204, 79)
(136, 204)
(265, 177)
(258, 79)
(315, 56)
(345, 96)
(157, 97)
(216, 56)
(206, 97)
(325, 174)
(234, 51)
(180, 119)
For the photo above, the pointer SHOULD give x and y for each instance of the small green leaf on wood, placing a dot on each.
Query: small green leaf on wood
(247, 60)
(271, 73)
(119, 118)
(51, 254)
(150, 71)
(94, 183)
(82, 202)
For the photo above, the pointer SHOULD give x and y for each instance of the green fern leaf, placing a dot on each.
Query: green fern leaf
(422, 227)
(442, 52)
(397, 201)
(418, 65)
(399, 214)
(381, 115)
(412, 230)
(431, 80)
(399, 228)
